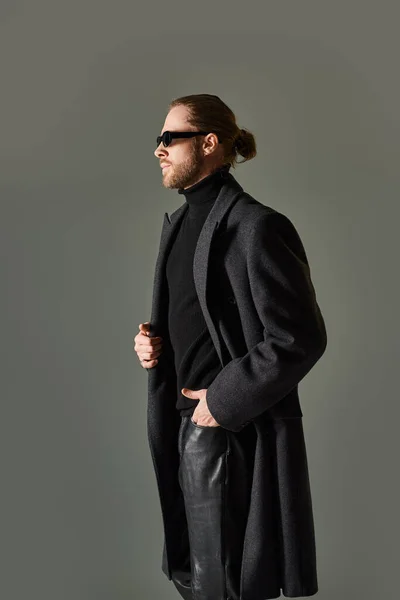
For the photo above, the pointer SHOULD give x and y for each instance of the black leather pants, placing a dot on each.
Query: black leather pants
(215, 483)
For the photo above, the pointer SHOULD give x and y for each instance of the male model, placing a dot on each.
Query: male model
(235, 326)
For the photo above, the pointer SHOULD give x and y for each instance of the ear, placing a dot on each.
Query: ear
(210, 143)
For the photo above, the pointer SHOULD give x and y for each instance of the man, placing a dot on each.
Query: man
(235, 326)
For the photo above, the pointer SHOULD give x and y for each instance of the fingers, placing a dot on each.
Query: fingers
(140, 346)
(147, 348)
(148, 364)
(146, 354)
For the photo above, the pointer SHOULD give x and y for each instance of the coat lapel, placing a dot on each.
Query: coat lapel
(168, 228)
(227, 196)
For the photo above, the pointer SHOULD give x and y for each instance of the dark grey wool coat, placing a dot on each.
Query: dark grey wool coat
(254, 287)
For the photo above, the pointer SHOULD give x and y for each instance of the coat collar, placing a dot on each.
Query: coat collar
(225, 199)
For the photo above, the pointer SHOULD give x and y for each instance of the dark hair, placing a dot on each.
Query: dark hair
(209, 113)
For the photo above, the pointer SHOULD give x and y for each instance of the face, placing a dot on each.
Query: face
(188, 160)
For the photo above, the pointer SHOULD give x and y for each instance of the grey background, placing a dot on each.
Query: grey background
(84, 92)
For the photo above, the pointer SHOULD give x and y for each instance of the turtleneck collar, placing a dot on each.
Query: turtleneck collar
(207, 189)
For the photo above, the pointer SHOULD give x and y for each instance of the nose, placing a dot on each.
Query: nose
(160, 150)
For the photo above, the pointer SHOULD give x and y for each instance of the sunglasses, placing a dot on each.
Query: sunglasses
(167, 137)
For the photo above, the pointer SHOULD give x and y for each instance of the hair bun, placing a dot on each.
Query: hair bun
(239, 139)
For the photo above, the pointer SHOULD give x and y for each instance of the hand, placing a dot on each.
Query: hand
(201, 415)
(146, 347)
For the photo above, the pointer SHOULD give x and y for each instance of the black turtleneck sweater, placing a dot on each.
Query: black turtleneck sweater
(196, 360)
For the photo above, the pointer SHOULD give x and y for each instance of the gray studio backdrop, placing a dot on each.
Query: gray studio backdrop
(84, 91)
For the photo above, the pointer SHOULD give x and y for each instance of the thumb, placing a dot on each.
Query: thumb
(187, 392)
(144, 327)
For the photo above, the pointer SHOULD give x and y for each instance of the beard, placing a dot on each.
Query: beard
(186, 173)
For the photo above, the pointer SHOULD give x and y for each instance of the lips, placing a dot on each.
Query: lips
(164, 165)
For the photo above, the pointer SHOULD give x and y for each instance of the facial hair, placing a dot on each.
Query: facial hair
(186, 173)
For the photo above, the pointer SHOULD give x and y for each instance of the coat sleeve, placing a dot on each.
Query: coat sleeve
(294, 334)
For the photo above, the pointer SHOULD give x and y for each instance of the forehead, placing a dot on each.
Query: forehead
(176, 120)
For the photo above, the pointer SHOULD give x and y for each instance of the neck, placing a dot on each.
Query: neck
(207, 188)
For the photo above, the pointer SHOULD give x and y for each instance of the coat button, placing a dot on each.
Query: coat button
(232, 299)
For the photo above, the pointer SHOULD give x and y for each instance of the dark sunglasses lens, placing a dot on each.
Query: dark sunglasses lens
(165, 138)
